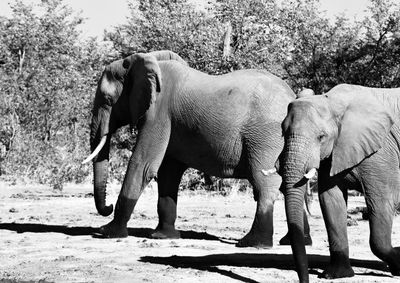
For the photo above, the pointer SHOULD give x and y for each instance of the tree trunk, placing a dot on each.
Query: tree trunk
(227, 40)
(21, 53)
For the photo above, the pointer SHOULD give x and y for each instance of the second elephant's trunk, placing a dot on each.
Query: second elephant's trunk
(294, 164)
(294, 203)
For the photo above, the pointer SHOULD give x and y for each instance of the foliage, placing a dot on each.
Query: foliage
(364, 52)
(257, 40)
(49, 72)
(48, 82)
(173, 25)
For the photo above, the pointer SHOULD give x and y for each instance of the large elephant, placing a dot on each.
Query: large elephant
(352, 136)
(226, 126)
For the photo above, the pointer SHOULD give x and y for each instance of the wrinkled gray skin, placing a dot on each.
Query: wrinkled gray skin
(305, 92)
(225, 126)
(352, 135)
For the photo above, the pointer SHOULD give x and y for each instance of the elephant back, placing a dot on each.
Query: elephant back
(166, 55)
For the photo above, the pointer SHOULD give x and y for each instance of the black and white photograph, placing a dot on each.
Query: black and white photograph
(200, 141)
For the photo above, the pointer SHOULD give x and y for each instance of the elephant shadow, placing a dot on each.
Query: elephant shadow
(208, 263)
(91, 231)
(211, 262)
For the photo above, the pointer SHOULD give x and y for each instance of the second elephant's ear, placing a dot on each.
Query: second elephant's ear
(362, 130)
(144, 80)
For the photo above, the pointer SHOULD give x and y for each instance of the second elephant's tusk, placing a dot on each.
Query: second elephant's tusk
(96, 151)
(310, 174)
(309, 192)
(269, 172)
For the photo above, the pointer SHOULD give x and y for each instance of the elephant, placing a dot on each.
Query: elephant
(305, 92)
(351, 135)
(224, 126)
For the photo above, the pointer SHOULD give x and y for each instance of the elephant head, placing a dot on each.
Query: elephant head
(305, 92)
(336, 131)
(125, 91)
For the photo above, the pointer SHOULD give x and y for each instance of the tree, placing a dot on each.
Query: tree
(49, 74)
(175, 25)
(325, 54)
(48, 79)
(257, 40)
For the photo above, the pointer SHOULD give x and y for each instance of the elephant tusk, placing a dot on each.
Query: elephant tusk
(309, 192)
(96, 151)
(310, 174)
(269, 172)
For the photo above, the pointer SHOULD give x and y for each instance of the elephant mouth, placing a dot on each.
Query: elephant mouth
(96, 150)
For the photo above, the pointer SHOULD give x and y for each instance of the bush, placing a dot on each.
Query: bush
(49, 75)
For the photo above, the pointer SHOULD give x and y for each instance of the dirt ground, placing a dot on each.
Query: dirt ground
(48, 236)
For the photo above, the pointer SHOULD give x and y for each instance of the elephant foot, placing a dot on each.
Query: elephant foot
(339, 267)
(255, 240)
(394, 264)
(170, 233)
(333, 272)
(114, 230)
(394, 269)
(285, 241)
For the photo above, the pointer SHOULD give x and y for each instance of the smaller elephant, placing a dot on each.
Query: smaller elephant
(352, 136)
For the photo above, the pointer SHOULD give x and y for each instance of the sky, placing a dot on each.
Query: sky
(106, 14)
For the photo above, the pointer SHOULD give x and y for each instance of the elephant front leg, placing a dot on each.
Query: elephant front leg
(149, 151)
(117, 228)
(143, 166)
(394, 261)
(137, 177)
(169, 177)
(334, 210)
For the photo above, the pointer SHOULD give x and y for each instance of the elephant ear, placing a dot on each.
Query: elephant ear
(362, 130)
(143, 81)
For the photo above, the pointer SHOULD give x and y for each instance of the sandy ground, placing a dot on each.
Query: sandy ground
(47, 236)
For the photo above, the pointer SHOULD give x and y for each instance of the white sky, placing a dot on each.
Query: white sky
(104, 14)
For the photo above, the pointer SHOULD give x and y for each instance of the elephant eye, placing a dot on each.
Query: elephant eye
(117, 76)
(321, 137)
(107, 100)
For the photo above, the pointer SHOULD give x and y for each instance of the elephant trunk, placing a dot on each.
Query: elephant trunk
(100, 170)
(293, 165)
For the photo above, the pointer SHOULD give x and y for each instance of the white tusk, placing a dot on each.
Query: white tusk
(309, 193)
(96, 151)
(269, 172)
(310, 173)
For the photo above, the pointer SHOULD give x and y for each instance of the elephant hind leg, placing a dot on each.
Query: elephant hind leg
(266, 190)
(169, 177)
(381, 214)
